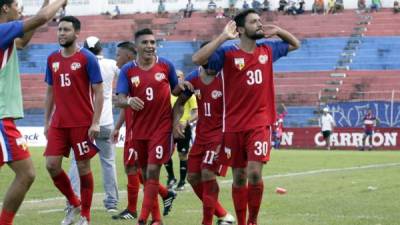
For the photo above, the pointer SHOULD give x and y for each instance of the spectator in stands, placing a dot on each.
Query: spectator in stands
(245, 5)
(318, 7)
(327, 124)
(282, 5)
(161, 7)
(396, 7)
(370, 121)
(361, 5)
(220, 13)
(331, 6)
(339, 7)
(291, 8)
(256, 5)
(300, 9)
(376, 5)
(188, 9)
(211, 7)
(266, 6)
(115, 13)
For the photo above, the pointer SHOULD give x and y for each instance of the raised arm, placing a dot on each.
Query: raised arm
(271, 30)
(202, 55)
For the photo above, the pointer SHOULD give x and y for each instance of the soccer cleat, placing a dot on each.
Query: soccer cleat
(70, 213)
(171, 183)
(180, 187)
(125, 215)
(156, 223)
(228, 219)
(82, 221)
(112, 210)
(167, 201)
(141, 222)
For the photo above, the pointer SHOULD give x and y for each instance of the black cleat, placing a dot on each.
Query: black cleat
(167, 201)
(125, 215)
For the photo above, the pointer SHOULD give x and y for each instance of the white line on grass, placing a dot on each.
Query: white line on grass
(304, 173)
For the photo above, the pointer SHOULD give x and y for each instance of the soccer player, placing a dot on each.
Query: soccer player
(109, 70)
(327, 124)
(148, 82)
(73, 105)
(205, 157)
(369, 127)
(126, 52)
(188, 118)
(249, 105)
(15, 34)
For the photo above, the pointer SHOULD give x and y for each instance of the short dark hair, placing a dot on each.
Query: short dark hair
(76, 23)
(145, 31)
(5, 2)
(128, 45)
(240, 18)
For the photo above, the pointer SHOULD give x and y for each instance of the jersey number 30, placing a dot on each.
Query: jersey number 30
(254, 77)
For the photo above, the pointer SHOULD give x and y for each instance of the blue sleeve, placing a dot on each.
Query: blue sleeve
(192, 75)
(172, 77)
(123, 82)
(279, 48)
(48, 76)
(9, 31)
(93, 68)
(216, 60)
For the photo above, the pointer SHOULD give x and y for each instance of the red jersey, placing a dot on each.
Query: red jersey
(71, 79)
(248, 86)
(369, 122)
(209, 101)
(153, 87)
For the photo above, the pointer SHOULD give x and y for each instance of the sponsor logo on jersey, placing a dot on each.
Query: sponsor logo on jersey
(56, 66)
(263, 59)
(239, 63)
(135, 80)
(22, 142)
(159, 76)
(75, 66)
(216, 94)
(197, 93)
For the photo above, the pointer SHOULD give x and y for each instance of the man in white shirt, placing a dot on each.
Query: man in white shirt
(109, 70)
(327, 124)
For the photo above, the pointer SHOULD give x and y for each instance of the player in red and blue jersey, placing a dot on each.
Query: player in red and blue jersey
(206, 159)
(16, 34)
(74, 101)
(249, 105)
(369, 123)
(148, 82)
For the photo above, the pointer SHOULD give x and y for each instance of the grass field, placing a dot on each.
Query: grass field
(324, 188)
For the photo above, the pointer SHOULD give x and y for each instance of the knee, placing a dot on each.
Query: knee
(83, 167)
(193, 179)
(254, 177)
(153, 173)
(239, 178)
(27, 177)
(53, 168)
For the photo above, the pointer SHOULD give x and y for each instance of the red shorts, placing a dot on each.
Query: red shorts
(61, 140)
(208, 156)
(157, 150)
(250, 145)
(13, 145)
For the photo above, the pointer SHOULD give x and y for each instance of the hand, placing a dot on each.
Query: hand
(230, 31)
(136, 103)
(114, 136)
(270, 30)
(186, 85)
(94, 131)
(178, 131)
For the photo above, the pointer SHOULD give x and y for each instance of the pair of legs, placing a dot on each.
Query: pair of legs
(367, 136)
(109, 173)
(327, 137)
(24, 177)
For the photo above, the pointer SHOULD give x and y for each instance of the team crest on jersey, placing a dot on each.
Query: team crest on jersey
(239, 63)
(263, 59)
(197, 93)
(22, 142)
(135, 80)
(216, 94)
(56, 66)
(75, 66)
(159, 76)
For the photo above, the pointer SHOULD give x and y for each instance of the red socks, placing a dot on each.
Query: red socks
(239, 195)
(150, 195)
(6, 217)
(210, 198)
(155, 212)
(255, 194)
(86, 194)
(219, 210)
(62, 182)
(133, 191)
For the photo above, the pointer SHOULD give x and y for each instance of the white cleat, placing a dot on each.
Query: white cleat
(228, 219)
(70, 213)
(82, 221)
